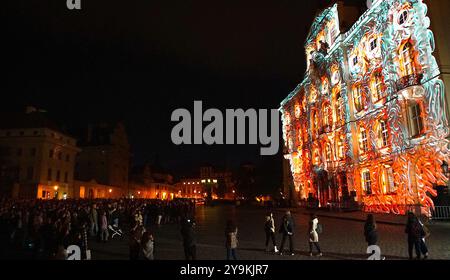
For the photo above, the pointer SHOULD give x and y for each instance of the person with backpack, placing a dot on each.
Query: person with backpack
(370, 231)
(314, 229)
(287, 230)
(269, 228)
(415, 233)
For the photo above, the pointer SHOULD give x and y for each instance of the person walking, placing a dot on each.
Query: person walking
(314, 230)
(287, 230)
(370, 231)
(231, 231)
(269, 229)
(189, 242)
(415, 234)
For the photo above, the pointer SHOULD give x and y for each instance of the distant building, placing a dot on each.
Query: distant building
(151, 182)
(190, 188)
(224, 177)
(37, 158)
(105, 156)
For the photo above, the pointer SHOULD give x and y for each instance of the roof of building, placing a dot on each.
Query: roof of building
(37, 119)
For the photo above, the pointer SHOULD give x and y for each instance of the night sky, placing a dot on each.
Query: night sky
(137, 61)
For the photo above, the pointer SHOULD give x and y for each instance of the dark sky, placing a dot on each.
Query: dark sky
(137, 61)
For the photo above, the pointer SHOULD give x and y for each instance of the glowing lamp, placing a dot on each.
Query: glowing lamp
(110, 190)
(214, 181)
(55, 188)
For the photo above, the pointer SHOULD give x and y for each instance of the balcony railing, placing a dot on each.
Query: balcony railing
(409, 81)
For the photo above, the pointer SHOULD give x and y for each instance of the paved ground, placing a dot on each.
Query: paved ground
(342, 238)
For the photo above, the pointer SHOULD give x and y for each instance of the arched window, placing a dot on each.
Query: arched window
(406, 55)
(377, 86)
(358, 98)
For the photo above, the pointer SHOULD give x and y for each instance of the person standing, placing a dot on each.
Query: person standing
(415, 234)
(269, 228)
(93, 218)
(104, 234)
(148, 246)
(314, 235)
(287, 230)
(370, 231)
(189, 242)
(425, 234)
(231, 231)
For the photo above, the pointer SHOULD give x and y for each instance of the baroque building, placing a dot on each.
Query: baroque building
(37, 157)
(369, 121)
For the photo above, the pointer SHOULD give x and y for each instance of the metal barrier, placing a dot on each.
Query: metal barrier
(440, 213)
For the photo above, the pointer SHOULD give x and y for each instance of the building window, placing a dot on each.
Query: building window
(67, 158)
(35, 132)
(33, 152)
(383, 134)
(366, 182)
(407, 59)
(326, 116)
(377, 86)
(373, 44)
(355, 60)
(19, 152)
(358, 98)
(49, 174)
(51, 153)
(60, 155)
(387, 181)
(403, 17)
(328, 152)
(416, 121)
(364, 145)
(66, 177)
(58, 176)
(341, 151)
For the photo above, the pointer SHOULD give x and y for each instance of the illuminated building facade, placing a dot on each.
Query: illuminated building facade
(369, 117)
(37, 158)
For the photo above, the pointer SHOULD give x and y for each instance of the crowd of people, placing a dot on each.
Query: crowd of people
(43, 229)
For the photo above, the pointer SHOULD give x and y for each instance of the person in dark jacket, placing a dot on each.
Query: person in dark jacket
(287, 231)
(415, 234)
(189, 242)
(370, 231)
(269, 229)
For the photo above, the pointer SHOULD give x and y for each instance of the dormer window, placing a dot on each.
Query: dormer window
(403, 17)
(373, 44)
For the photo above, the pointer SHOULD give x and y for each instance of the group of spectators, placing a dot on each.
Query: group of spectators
(43, 229)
